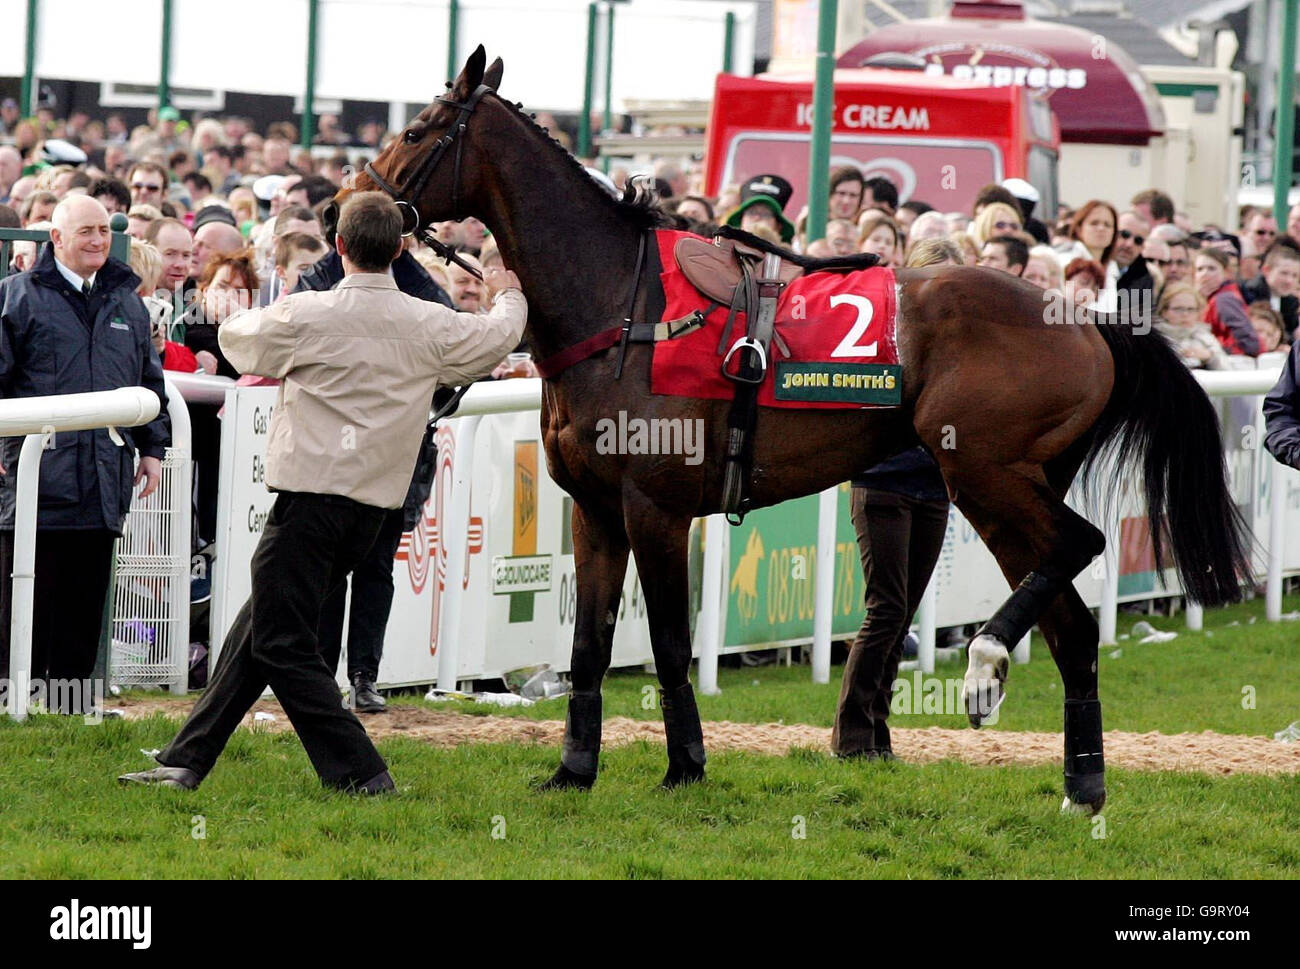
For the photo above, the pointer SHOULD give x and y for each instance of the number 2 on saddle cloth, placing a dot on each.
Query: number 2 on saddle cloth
(840, 330)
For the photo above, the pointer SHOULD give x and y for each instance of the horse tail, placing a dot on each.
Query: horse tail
(1158, 415)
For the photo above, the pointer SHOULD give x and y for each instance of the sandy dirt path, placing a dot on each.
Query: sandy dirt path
(1207, 752)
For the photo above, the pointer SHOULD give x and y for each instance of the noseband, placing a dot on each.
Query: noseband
(409, 191)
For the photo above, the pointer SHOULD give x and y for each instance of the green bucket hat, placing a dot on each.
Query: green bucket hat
(772, 191)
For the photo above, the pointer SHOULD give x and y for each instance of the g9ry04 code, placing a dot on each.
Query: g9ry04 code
(1222, 911)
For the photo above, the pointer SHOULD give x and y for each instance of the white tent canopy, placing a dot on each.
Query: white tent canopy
(386, 50)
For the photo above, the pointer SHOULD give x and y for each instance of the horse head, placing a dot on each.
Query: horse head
(435, 163)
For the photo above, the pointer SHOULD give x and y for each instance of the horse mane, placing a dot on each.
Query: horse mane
(639, 205)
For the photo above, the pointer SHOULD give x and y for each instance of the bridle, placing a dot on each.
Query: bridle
(409, 191)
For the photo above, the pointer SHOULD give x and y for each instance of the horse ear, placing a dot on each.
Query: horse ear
(471, 75)
(492, 76)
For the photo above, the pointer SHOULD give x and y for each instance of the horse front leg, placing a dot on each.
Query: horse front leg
(659, 543)
(600, 548)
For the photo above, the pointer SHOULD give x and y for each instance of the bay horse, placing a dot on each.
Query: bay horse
(1011, 405)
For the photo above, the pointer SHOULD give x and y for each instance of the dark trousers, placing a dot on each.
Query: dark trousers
(372, 600)
(72, 573)
(899, 539)
(309, 545)
(206, 430)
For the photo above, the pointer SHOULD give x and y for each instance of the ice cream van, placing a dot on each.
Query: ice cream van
(937, 138)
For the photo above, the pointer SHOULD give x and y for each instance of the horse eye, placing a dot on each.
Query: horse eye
(411, 137)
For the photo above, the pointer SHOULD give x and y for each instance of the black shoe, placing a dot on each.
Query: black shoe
(365, 698)
(181, 778)
(381, 783)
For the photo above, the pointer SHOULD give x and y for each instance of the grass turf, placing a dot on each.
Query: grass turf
(1189, 684)
(470, 812)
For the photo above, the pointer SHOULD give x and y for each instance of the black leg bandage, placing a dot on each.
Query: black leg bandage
(682, 726)
(1019, 613)
(1084, 764)
(582, 733)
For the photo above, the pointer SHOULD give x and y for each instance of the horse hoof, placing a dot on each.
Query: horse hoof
(566, 780)
(1084, 794)
(986, 675)
(679, 776)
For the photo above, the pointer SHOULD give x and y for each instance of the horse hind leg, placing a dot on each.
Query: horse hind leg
(1071, 633)
(600, 549)
(1040, 544)
(659, 544)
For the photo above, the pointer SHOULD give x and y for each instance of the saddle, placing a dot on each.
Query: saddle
(715, 269)
(747, 274)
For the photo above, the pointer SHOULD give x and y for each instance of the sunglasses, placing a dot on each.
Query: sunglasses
(1265, 232)
(1125, 234)
(146, 187)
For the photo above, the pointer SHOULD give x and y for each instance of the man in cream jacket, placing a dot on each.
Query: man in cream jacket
(359, 364)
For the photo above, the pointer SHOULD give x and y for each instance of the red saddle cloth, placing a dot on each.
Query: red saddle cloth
(840, 329)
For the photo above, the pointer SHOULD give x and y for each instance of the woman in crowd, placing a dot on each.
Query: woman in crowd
(995, 219)
(900, 512)
(878, 233)
(966, 246)
(228, 285)
(1178, 319)
(1042, 269)
(1092, 234)
(1225, 308)
(1084, 281)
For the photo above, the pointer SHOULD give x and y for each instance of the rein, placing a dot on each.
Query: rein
(409, 190)
(406, 194)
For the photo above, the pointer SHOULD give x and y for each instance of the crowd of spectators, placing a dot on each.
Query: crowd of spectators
(221, 216)
(1221, 298)
(224, 216)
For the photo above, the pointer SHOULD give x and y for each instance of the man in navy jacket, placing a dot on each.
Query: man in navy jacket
(74, 324)
(1282, 413)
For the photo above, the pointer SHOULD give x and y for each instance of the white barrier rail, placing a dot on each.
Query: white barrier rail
(1216, 383)
(38, 418)
(525, 394)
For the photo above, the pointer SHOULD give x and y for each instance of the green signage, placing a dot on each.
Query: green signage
(848, 383)
(772, 574)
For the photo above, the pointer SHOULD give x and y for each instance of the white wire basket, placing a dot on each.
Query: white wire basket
(151, 601)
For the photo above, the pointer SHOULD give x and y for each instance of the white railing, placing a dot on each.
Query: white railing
(1221, 383)
(525, 395)
(38, 419)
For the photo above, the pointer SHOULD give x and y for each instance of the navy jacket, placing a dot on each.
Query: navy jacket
(1282, 413)
(913, 473)
(411, 278)
(56, 341)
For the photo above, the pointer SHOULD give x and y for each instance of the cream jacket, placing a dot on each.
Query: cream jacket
(359, 365)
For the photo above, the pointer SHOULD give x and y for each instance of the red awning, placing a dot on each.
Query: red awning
(1097, 90)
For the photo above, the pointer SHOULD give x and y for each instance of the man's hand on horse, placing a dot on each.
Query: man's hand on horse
(150, 471)
(497, 279)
